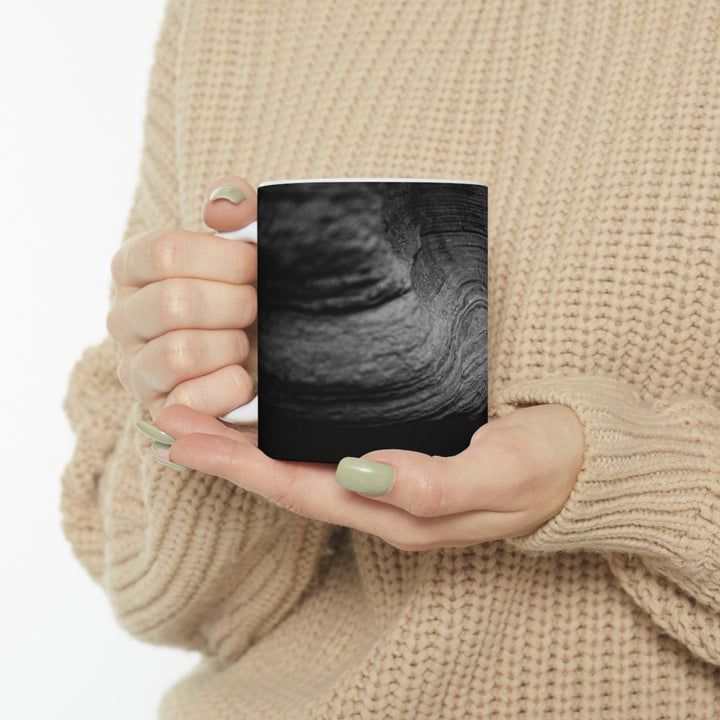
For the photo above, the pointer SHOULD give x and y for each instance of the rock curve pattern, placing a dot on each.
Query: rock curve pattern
(372, 317)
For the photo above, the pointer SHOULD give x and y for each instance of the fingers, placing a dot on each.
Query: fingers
(151, 257)
(165, 362)
(180, 303)
(216, 393)
(230, 203)
(304, 488)
(511, 465)
(431, 486)
(426, 486)
(444, 501)
(417, 483)
(309, 489)
(179, 421)
(404, 517)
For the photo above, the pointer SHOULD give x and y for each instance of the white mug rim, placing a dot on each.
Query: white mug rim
(449, 181)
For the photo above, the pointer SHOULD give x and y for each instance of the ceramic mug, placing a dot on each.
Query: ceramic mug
(372, 316)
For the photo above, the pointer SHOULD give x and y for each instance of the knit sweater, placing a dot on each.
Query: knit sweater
(596, 126)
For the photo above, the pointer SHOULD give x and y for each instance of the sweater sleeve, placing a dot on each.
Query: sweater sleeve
(186, 559)
(647, 497)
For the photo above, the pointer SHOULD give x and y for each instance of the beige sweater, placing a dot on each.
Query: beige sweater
(597, 128)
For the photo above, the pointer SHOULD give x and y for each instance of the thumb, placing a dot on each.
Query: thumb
(230, 204)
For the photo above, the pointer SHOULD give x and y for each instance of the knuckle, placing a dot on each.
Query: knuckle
(185, 394)
(165, 254)
(180, 353)
(231, 384)
(175, 303)
(286, 494)
(428, 496)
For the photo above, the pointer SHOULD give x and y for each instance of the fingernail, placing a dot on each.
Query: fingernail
(161, 446)
(169, 464)
(364, 476)
(152, 432)
(227, 192)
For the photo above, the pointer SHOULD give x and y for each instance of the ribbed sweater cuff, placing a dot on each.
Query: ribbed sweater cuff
(649, 483)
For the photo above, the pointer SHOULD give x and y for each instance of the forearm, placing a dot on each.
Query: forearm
(648, 494)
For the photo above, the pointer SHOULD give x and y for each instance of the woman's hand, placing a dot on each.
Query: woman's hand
(516, 474)
(184, 310)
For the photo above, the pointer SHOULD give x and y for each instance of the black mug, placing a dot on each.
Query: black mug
(372, 316)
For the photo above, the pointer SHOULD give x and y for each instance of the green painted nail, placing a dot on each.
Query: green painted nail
(364, 476)
(228, 192)
(152, 432)
(161, 446)
(169, 464)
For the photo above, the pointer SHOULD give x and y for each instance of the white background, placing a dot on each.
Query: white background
(73, 79)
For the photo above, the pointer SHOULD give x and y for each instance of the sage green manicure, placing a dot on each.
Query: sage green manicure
(228, 192)
(161, 446)
(152, 432)
(169, 464)
(364, 476)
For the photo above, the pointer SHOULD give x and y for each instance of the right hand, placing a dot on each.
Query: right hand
(184, 311)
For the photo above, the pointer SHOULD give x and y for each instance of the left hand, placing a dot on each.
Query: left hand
(516, 474)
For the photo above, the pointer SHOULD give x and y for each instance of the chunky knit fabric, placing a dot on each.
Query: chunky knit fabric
(596, 126)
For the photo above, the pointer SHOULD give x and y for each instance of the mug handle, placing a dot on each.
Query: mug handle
(248, 413)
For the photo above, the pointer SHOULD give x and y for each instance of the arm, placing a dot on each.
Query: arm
(647, 497)
(644, 493)
(173, 552)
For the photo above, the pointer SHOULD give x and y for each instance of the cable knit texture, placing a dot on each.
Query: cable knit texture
(596, 127)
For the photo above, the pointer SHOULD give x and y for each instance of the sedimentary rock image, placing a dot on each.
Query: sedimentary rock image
(372, 317)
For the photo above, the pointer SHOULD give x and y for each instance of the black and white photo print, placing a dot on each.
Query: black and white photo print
(372, 317)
